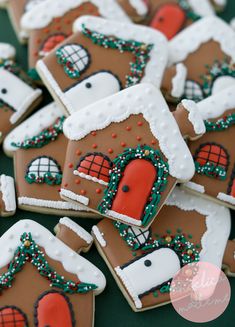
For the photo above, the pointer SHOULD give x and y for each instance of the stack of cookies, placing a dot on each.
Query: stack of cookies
(140, 133)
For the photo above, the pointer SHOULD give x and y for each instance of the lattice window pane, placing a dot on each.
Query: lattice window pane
(43, 165)
(140, 236)
(12, 317)
(76, 55)
(193, 91)
(212, 153)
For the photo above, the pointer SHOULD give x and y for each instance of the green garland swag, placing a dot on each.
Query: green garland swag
(177, 243)
(48, 178)
(29, 251)
(120, 163)
(44, 138)
(211, 170)
(221, 124)
(141, 52)
(218, 69)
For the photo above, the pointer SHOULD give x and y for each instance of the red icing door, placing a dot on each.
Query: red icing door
(169, 20)
(134, 188)
(54, 310)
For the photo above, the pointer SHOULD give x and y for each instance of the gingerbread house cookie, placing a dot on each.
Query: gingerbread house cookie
(101, 59)
(201, 60)
(169, 17)
(50, 23)
(39, 163)
(7, 196)
(214, 153)
(14, 106)
(143, 262)
(126, 153)
(56, 283)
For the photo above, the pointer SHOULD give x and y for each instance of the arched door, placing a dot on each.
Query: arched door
(169, 19)
(134, 188)
(55, 310)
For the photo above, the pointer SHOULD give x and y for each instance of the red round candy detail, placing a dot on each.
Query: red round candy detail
(98, 190)
(140, 123)
(83, 192)
(114, 135)
(123, 144)
(94, 146)
(110, 150)
(70, 165)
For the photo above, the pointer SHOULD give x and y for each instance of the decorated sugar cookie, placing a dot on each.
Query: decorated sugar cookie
(204, 54)
(56, 283)
(143, 262)
(7, 196)
(214, 153)
(126, 153)
(16, 9)
(169, 17)
(101, 59)
(14, 106)
(39, 162)
(50, 23)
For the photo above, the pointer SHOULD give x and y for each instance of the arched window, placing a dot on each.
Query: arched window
(94, 166)
(44, 169)
(212, 160)
(51, 42)
(12, 316)
(75, 59)
(140, 236)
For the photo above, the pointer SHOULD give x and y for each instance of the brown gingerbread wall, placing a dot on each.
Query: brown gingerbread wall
(55, 149)
(29, 285)
(100, 59)
(213, 185)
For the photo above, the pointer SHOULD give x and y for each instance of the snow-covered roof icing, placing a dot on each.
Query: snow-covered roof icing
(54, 248)
(7, 188)
(202, 7)
(32, 126)
(7, 51)
(215, 105)
(158, 55)
(42, 15)
(204, 30)
(140, 99)
(218, 223)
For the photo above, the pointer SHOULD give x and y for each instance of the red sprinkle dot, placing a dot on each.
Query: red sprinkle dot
(114, 135)
(110, 150)
(123, 144)
(93, 133)
(59, 190)
(140, 123)
(66, 185)
(94, 146)
(128, 128)
(153, 142)
(83, 192)
(77, 181)
(70, 165)
(98, 190)
(78, 152)
(138, 138)
(46, 30)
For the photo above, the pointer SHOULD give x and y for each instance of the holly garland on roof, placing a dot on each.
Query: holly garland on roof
(141, 52)
(44, 138)
(29, 252)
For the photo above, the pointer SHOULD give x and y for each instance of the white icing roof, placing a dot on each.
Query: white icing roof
(218, 223)
(81, 232)
(7, 51)
(202, 7)
(7, 188)
(215, 105)
(158, 56)
(32, 126)
(43, 14)
(141, 99)
(54, 248)
(204, 30)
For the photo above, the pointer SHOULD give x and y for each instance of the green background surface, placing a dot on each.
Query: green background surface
(111, 307)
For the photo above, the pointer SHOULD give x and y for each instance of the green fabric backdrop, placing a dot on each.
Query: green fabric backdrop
(111, 306)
